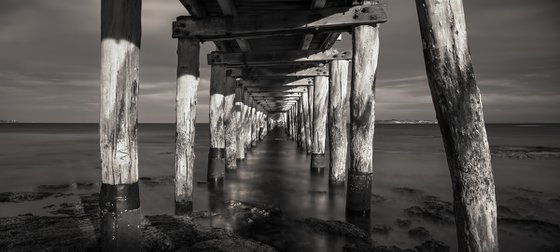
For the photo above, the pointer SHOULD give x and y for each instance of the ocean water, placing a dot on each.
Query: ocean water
(409, 163)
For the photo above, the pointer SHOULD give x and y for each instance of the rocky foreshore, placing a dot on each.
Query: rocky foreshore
(73, 225)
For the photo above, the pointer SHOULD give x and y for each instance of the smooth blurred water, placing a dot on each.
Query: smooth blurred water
(277, 173)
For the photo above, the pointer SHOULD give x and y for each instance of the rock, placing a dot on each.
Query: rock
(403, 222)
(233, 245)
(419, 233)
(334, 227)
(17, 197)
(84, 185)
(154, 181)
(46, 233)
(379, 229)
(432, 246)
(405, 191)
(60, 187)
(364, 247)
(433, 209)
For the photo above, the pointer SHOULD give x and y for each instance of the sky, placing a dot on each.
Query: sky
(50, 58)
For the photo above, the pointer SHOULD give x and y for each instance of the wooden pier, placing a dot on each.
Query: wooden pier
(275, 66)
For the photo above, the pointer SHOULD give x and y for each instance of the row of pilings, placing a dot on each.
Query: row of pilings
(452, 84)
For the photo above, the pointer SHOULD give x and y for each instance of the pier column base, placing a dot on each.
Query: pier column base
(183, 208)
(120, 217)
(358, 194)
(318, 161)
(317, 171)
(216, 165)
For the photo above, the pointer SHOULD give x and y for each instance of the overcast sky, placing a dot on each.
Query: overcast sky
(49, 61)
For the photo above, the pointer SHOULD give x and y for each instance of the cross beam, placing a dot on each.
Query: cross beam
(268, 72)
(277, 82)
(277, 57)
(277, 89)
(276, 94)
(264, 98)
(335, 19)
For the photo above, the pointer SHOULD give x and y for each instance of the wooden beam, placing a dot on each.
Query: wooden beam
(270, 72)
(320, 103)
(277, 89)
(188, 77)
(286, 101)
(458, 106)
(311, 91)
(279, 23)
(227, 7)
(306, 42)
(119, 201)
(330, 40)
(253, 124)
(277, 57)
(216, 161)
(308, 38)
(362, 119)
(120, 34)
(243, 45)
(277, 104)
(240, 117)
(277, 83)
(194, 7)
(276, 94)
(338, 133)
(245, 131)
(230, 126)
(306, 122)
(317, 4)
(275, 99)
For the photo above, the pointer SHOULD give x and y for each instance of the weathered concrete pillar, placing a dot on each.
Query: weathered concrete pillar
(188, 77)
(216, 156)
(338, 101)
(230, 126)
(362, 118)
(460, 117)
(320, 102)
(119, 200)
(239, 118)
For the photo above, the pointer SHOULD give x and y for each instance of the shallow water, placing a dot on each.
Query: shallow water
(276, 173)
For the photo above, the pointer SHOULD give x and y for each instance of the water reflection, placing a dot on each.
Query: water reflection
(361, 221)
(216, 196)
(120, 217)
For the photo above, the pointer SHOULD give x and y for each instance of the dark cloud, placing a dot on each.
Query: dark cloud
(49, 67)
